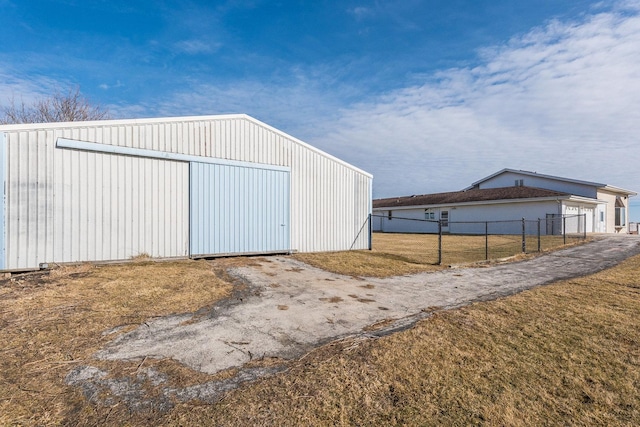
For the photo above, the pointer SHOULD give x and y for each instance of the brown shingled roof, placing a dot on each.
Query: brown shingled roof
(473, 195)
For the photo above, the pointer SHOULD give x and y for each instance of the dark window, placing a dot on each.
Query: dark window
(621, 219)
(621, 213)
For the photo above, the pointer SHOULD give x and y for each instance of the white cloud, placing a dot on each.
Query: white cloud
(361, 12)
(563, 99)
(105, 86)
(196, 47)
(20, 88)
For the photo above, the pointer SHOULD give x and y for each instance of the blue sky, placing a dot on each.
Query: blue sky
(428, 96)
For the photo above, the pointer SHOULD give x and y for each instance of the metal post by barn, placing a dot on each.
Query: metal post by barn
(370, 234)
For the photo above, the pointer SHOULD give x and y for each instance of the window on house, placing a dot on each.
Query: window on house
(621, 221)
(621, 213)
(519, 182)
(429, 214)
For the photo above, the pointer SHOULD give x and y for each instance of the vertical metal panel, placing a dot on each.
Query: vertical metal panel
(3, 150)
(67, 206)
(238, 209)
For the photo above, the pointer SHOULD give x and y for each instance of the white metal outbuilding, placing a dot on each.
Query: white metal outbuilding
(172, 187)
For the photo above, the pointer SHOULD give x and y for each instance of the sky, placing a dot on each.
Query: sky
(426, 95)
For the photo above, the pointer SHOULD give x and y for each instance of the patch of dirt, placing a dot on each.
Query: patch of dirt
(332, 299)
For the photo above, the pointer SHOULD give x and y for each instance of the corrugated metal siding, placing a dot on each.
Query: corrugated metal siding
(238, 210)
(330, 199)
(67, 206)
(3, 150)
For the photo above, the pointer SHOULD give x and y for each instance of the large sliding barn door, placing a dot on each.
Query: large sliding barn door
(238, 210)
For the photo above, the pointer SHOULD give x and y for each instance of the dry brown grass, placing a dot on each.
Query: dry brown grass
(396, 254)
(392, 255)
(52, 323)
(567, 353)
(563, 354)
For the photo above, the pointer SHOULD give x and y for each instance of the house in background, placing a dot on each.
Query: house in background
(509, 195)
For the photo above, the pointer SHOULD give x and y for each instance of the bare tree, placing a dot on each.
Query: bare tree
(59, 107)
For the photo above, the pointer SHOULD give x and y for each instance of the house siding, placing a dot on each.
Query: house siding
(507, 179)
(469, 214)
(610, 211)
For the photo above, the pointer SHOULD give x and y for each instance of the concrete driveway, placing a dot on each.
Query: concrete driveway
(289, 308)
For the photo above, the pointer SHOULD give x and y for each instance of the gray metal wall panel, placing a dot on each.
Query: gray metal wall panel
(238, 210)
(67, 206)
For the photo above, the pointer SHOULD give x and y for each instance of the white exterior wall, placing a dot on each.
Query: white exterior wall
(513, 211)
(507, 179)
(609, 206)
(397, 224)
(59, 202)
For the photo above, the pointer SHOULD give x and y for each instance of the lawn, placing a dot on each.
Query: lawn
(395, 254)
(562, 354)
(566, 353)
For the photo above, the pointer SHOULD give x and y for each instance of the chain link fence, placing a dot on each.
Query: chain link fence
(452, 242)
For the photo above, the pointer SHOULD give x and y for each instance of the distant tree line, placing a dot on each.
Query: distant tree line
(59, 107)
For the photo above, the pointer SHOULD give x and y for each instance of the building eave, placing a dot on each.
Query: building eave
(489, 202)
(618, 190)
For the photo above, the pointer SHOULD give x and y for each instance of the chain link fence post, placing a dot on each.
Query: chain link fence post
(486, 240)
(524, 239)
(439, 242)
(539, 234)
(370, 233)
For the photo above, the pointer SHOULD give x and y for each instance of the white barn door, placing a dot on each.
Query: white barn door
(238, 210)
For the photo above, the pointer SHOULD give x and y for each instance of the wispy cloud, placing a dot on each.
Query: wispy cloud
(195, 47)
(19, 88)
(105, 86)
(563, 99)
(361, 12)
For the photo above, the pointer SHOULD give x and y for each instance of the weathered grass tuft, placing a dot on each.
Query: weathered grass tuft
(50, 323)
